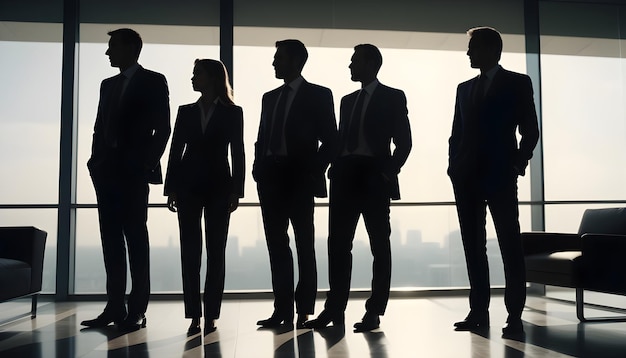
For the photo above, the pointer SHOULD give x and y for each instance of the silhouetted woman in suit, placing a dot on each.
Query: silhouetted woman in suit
(200, 180)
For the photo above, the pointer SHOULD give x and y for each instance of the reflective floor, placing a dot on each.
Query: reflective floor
(412, 327)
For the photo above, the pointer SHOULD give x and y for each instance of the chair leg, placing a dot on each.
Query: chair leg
(580, 310)
(580, 305)
(33, 308)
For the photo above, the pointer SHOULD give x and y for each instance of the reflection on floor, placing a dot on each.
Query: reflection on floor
(415, 327)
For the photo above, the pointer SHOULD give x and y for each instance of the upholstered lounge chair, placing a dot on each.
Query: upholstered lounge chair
(21, 263)
(593, 259)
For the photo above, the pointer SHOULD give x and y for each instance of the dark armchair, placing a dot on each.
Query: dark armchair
(21, 263)
(594, 259)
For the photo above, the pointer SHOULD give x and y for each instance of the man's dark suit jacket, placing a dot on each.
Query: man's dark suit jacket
(143, 125)
(311, 120)
(198, 162)
(385, 120)
(483, 144)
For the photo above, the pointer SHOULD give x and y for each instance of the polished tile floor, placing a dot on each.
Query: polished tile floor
(412, 327)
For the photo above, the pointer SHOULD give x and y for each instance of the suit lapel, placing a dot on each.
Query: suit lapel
(297, 100)
(131, 86)
(268, 119)
(217, 113)
(195, 124)
(344, 124)
(371, 119)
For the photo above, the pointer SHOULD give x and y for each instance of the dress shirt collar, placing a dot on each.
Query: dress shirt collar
(129, 72)
(369, 89)
(490, 74)
(295, 84)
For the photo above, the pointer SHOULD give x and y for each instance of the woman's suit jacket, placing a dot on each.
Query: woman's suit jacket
(198, 162)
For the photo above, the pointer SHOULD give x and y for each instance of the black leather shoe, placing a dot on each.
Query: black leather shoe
(209, 326)
(275, 321)
(302, 318)
(473, 322)
(133, 322)
(324, 319)
(194, 327)
(513, 328)
(104, 319)
(369, 322)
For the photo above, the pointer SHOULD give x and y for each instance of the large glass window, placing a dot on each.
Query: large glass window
(30, 111)
(174, 35)
(423, 45)
(30, 108)
(427, 60)
(584, 117)
(175, 61)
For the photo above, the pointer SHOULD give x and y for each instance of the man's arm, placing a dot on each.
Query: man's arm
(401, 133)
(455, 137)
(160, 117)
(327, 130)
(258, 145)
(175, 156)
(528, 126)
(237, 152)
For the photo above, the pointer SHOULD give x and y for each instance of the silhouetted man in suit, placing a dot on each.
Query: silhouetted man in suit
(130, 134)
(485, 159)
(363, 180)
(289, 167)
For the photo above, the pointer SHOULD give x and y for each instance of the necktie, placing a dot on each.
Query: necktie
(110, 128)
(279, 120)
(355, 122)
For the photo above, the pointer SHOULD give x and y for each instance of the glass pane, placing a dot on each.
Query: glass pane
(584, 114)
(30, 110)
(165, 272)
(427, 250)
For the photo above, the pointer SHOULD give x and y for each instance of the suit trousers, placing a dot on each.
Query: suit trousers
(285, 196)
(216, 221)
(472, 200)
(123, 212)
(357, 187)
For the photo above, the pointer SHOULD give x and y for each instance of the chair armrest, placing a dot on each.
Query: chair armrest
(546, 242)
(25, 244)
(603, 262)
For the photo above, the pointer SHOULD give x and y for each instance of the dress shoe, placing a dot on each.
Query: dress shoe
(133, 322)
(302, 318)
(276, 320)
(513, 328)
(324, 319)
(209, 326)
(104, 319)
(194, 327)
(369, 322)
(473, 322)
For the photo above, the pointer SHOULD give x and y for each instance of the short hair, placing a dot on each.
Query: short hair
(217, 71)
(128, 37)
(487, 35)
(371, 53)
(295, 49)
